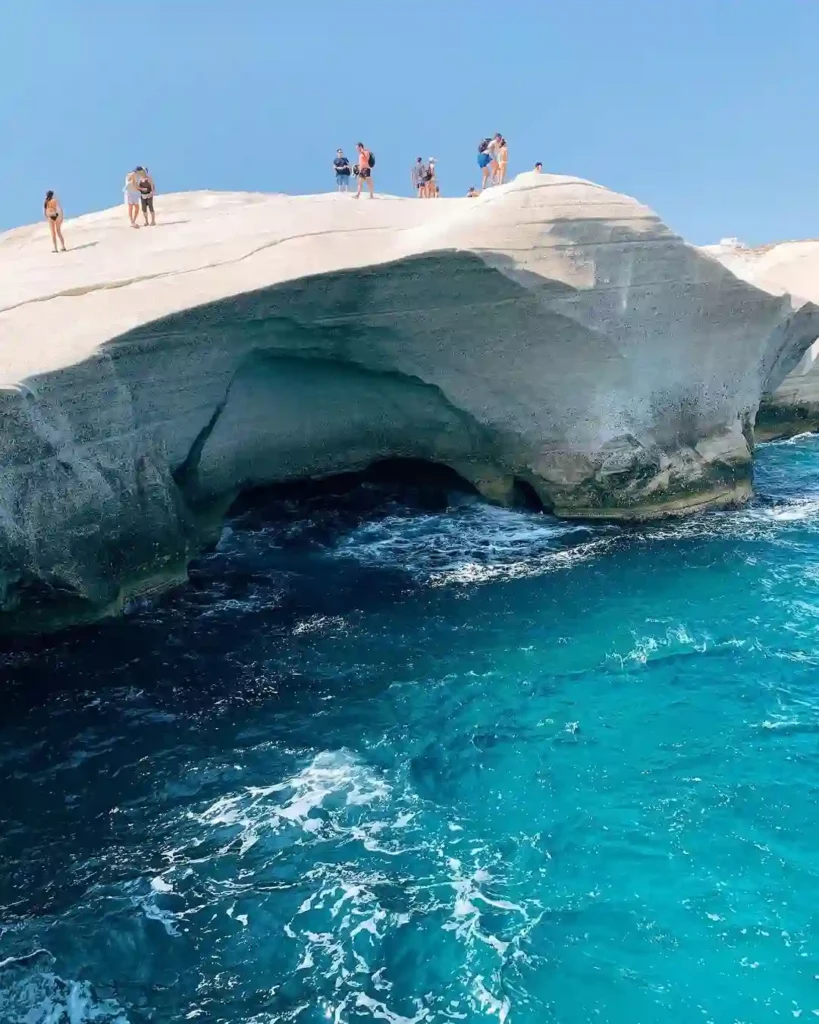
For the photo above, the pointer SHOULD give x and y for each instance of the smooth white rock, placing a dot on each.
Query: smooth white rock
(781, 268)
(551, 334)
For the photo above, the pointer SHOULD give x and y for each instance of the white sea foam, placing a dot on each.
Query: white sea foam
(320, 624)
(290, 803)
(673, 639)
(42, 997)
(474, 544)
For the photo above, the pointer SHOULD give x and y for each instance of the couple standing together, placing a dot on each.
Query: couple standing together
(139, 190)
(363, 169)
(423, 179)
(493, 158)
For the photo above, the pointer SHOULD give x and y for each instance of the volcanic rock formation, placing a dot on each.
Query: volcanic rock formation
(551, 336)
(793, 407)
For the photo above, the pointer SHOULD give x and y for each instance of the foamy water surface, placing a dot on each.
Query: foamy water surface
(380, 763)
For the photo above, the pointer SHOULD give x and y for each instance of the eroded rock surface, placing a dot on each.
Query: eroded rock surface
(552, 333)
(792, 407)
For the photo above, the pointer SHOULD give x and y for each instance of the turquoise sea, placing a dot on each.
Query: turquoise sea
(382, 761)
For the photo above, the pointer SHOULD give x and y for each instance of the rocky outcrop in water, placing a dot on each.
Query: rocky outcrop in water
(551, 337)
(792, 407)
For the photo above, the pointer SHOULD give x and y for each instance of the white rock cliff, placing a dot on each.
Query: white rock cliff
(551, 334)
(793, 407)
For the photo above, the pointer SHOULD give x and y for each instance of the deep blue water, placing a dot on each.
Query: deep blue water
(376, 763)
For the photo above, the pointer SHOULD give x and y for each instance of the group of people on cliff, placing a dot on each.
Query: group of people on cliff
(362, 170)
(493, 161)
(139, 191)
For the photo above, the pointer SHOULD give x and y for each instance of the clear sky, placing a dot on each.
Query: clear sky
(705, 109)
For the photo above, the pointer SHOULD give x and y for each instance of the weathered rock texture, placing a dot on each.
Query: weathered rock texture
(786, 267)
(552, 333)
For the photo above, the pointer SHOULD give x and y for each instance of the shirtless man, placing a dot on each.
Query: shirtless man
(364, 170)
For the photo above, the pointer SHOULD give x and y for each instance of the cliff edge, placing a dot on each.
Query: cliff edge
(551, 334)
(793, 406)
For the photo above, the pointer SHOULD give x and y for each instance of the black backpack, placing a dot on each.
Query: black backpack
(371, 161)
(483, 145)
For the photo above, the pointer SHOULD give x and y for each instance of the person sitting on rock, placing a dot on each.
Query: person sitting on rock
(365, 165)
(473, 193)
(538, 167)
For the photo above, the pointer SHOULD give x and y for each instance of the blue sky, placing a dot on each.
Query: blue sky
(705, 109)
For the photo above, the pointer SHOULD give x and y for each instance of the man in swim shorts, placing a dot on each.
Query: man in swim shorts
(364, 170)
(341, 166)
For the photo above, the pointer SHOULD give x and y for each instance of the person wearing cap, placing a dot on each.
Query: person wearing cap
(429, 179)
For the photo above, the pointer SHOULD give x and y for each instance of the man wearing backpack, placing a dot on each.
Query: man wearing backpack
(366, 162)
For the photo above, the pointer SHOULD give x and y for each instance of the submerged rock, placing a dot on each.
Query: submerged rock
(552, 337)
(792, 407)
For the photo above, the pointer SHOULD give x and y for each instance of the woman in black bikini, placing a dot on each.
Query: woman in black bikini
(54, 215)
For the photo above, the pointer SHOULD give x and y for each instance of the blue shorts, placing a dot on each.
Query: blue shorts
(484, 159)
(342, 179)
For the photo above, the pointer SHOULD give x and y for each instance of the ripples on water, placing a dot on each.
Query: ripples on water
(376, 763)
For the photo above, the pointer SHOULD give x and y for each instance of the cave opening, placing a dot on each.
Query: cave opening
(429, 486)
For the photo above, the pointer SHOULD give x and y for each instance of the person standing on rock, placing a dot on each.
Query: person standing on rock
(132, 197)
(485, 162)
(418, 177)
(54, 215)
(493, 149)
(341, 167)
(503, 160)
(147, 190)
(430, 184)
(366, 162)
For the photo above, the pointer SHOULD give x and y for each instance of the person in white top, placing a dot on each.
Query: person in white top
(492, 148)
(131, 192)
